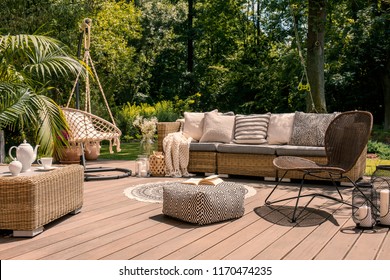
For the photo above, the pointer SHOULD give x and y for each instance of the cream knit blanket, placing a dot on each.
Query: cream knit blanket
(177, 154)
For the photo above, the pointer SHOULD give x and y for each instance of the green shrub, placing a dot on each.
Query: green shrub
(164, 111)
(381, 149)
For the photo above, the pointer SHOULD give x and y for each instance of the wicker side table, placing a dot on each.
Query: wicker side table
(31, 200)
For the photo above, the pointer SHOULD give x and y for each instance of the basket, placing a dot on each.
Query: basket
(157, 164)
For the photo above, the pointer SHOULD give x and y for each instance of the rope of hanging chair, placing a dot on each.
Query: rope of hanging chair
(84, 126)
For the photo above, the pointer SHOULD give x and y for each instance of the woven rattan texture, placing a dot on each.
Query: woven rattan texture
(202, 162)
(29, 202)
(157, 165)
(163, 129)
(355, 173)
(246, 164)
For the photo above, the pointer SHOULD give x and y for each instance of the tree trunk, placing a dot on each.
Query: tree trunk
(190, 43)
(315, 102)
(386, 93)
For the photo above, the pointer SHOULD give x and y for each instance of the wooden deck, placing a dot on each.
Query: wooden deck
(112, 226)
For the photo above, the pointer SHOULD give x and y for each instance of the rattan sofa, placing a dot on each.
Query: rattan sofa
(248, 159)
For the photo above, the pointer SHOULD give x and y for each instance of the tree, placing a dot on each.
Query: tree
(315, 101)
(27, 62)
(115, 32)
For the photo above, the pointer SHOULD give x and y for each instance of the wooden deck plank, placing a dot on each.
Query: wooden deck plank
(367, 245)
(181, 249)
(340, 244)
(112, 226)
(384, 251)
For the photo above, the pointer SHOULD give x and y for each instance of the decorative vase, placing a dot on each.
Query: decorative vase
(70, 155)
(146, 146)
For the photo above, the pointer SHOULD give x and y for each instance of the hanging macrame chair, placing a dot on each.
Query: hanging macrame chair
(89, 129)
(85, 127)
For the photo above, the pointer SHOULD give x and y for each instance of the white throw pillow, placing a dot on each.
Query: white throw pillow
(217, 128)
(280, 128)
(251, 129)
(193, 124)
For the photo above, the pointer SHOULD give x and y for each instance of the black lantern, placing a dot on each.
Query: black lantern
(364, 209)
(380, 181)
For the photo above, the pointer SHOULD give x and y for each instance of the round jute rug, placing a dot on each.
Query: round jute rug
(153, 192)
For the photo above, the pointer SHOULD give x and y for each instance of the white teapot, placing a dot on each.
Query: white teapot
(25, 154)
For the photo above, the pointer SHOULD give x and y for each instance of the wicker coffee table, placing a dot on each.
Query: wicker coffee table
(33, 199)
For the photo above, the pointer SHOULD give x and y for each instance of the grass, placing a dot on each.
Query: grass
(372, 163)
(130, 151)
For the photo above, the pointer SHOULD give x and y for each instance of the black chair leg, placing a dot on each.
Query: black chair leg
(294, 215)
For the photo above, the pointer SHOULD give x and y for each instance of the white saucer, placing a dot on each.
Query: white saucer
(40, 168)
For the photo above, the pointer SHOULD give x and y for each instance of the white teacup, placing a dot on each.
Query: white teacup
(45, 162)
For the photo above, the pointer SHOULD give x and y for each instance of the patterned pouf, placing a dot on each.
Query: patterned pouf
(204, 204)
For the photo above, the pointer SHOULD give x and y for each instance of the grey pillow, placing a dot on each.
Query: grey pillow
(309, 129)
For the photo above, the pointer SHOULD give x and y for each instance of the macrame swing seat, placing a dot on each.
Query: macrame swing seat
(90, 129)
(86, 129)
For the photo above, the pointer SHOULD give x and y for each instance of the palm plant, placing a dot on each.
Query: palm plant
(27, 65)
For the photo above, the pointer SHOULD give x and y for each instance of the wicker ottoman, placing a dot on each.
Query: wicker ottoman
(204, 204)
(31, 200)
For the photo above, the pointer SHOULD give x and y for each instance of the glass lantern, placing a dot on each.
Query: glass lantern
(142, 166)
(364, 210)
(380, 181)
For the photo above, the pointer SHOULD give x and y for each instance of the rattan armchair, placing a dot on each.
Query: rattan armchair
(345, 139)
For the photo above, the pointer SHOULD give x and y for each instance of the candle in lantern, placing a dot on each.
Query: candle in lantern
(365, 216)
(384, 207)
(139, 168)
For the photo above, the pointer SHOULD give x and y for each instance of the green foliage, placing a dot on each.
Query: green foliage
(245, 57)
(164, 111)
(27, 65)
(381, 149)
(115, 29)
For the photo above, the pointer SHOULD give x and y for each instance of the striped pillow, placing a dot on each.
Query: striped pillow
(251, 129)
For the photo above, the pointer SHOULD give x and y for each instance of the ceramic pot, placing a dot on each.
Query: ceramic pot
(92, 151)
(15, 167)
(70, 155)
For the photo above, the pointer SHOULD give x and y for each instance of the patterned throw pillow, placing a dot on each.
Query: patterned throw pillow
(217, 128)
(309, 129)
(251, 129)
